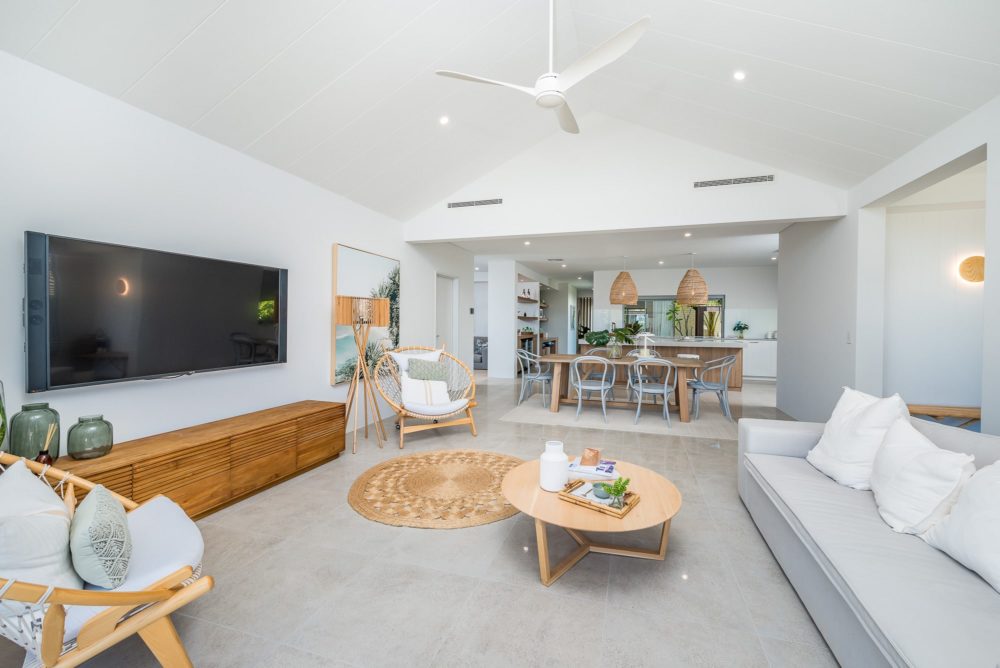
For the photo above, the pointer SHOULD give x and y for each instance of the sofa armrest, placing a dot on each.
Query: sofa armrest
(778, 437)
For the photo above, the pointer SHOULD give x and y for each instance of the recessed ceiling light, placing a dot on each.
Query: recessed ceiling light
(739, 75)
(774, 259)
(687, 234)
(563, 266)
(477, 268)
(661, 262)
(579, 278)
(527, 243)
(444, 120)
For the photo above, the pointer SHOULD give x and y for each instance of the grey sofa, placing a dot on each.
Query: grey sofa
(878, 597)
(480, 353)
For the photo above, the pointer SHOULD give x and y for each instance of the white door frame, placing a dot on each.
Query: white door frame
(451, 342)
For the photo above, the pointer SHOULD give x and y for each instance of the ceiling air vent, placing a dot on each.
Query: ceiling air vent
(733, 182)
(475, 202)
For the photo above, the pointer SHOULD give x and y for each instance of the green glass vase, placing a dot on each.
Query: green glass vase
(3, 419)
(92, 436)
(29, 428)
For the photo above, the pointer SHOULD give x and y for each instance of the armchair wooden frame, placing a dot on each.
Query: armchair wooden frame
(146, 612)
(461, 385)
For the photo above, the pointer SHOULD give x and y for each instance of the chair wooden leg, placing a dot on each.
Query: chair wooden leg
(162, 640)
(402, 430)
(472, 421)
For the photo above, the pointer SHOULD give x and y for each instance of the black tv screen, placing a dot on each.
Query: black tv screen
(101, 313)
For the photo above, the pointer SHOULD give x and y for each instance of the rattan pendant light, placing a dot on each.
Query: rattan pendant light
(623, 290)
(692, 291)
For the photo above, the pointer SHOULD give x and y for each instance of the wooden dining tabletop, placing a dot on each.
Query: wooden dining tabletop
(560, 381)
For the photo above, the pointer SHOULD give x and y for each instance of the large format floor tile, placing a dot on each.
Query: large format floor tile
(304, 581)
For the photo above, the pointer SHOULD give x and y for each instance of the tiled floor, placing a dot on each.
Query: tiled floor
(302, 580)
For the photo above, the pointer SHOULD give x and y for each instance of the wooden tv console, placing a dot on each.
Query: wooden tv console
(208, 466)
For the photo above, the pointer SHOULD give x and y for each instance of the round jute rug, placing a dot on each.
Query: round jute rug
(444, 489)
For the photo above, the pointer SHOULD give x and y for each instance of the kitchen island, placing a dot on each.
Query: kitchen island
(707, 349)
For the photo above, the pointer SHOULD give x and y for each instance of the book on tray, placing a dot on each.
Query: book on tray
(604, 470)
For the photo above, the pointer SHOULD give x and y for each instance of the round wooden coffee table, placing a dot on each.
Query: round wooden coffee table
(659, 501)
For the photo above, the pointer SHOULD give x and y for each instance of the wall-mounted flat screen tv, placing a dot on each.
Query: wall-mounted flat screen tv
(101, 313)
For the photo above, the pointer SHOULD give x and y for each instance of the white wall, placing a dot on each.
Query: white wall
(502, 324)
(817, 274)
(751, 294)
(481, 303)
(617, 175)
(933, 318)
(78, 163)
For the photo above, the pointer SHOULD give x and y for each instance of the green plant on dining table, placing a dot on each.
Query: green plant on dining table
(624, 335)
(597, 338)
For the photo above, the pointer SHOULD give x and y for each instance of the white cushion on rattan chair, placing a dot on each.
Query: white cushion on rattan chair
(164, 540)
(436, 409)
(34, 531)
(403, 359)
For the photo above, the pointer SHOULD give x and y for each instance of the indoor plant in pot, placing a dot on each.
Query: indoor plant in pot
(740, 328)
(621, 336)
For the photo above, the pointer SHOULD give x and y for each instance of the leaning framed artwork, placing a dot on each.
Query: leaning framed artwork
(359, 273)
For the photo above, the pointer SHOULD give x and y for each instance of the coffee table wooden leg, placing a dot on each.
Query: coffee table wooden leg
(548, 574)
(658, 554)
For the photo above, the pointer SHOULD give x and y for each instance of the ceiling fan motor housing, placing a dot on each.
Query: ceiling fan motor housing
(549, 95)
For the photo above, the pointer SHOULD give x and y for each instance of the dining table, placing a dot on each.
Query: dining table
(686, 367)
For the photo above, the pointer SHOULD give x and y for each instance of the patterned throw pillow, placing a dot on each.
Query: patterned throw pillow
(424, 370)
(99, 540)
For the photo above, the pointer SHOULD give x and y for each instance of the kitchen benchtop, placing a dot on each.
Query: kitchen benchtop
(694, 342)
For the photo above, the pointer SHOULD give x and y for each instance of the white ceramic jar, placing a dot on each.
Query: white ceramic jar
(553, 469)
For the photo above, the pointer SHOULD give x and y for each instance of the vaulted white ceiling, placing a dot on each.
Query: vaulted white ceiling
(342, 92)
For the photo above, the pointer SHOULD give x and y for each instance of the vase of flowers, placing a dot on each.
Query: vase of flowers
(740, 328)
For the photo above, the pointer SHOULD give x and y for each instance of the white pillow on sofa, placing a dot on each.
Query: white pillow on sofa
(852, 436)
(34, 531)
(971, 533)
(403, 359)
(916, 483)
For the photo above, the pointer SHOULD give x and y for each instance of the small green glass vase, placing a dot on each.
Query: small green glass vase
(29, 428)
(92, 436)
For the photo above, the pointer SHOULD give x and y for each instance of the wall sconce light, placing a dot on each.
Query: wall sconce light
(122, 287)
(972, 269)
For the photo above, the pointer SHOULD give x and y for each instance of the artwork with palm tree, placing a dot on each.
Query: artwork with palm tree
(358, 273)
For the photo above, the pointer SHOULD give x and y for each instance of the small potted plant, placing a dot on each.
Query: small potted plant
(740, 328)
(616, 491)
(621, 336)
(597, 337)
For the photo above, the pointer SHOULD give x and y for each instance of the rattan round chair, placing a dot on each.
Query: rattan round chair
(461, 391)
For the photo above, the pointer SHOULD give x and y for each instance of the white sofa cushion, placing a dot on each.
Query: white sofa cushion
(99, 539)
(852, 436)
(927, 607)
(164, 540)
(971, 533)
(916, 483)
(34, 531)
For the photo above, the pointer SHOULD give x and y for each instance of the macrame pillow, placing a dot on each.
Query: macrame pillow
(100, 541)
(425, 370)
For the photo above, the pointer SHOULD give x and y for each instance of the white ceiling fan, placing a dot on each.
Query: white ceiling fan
(550, 89)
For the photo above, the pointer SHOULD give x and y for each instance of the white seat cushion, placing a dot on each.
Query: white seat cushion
(437, 409)
(164, 540)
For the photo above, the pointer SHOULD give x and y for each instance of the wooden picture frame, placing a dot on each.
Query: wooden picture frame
(360, 273)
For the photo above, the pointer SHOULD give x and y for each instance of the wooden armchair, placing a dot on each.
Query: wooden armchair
(65, 627)
(461, 391)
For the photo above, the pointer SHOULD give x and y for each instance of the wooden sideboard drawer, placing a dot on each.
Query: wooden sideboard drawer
(162, 475)
(259, 443)
(202, 495)
(320, 437)
(118, 480)
(262, 471)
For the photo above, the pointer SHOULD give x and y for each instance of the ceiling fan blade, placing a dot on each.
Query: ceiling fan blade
(603, 55)
(566, 120)
(493, 82)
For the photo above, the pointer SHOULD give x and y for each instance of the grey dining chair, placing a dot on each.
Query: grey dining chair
(533, 370)
(663, 384)
(596, 375)
(630, 385)
(724, 365)
(604, 383)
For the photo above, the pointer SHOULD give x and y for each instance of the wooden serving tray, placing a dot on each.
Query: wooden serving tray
(631, 500)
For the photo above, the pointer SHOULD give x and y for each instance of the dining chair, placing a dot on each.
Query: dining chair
(601, 351)
(630, 385)
(533, 370)
(698, 385)
(664, 383)
(604, 384)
